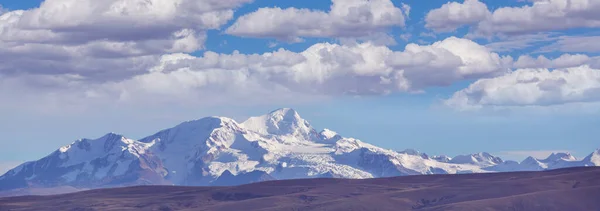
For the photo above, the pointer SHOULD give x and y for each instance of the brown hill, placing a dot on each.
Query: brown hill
(571, 189)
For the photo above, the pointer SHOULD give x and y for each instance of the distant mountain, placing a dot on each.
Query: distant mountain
(483, 159)
(228, 179)
(218, 151)
(592, 159)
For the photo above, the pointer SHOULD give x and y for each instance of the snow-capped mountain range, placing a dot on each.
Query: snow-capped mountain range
(221, 151)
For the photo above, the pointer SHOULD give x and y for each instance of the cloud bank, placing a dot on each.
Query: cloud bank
(323, 69)
(72, 52)
(105, 39)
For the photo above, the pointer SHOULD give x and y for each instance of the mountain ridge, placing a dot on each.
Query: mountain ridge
(221, 151)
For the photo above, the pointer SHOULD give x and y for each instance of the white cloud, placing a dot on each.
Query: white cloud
(564, 61)
(405, 36)
(539, 16)
(580, 44)
(531, 87)
(321, 70)
(82, 35)
(518, 42)
(346, 19)
(375, 38)
(447, 61)
(453, 15)
(272, 44)
(325, 69)
(406, 9)
(546, 15)
(427, 34)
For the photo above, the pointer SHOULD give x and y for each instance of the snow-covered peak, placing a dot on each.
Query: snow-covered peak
(410, 152)
(441, 158)
(104, 143)
(285, 111)
(532, 164)
(481, 159)
(209, 123)
(592, 159)
(414, 152)
(330, 135)
(216, 150)
(554, 161)
(555, 157)
(283, 121)
(529, 161)
(196, 130)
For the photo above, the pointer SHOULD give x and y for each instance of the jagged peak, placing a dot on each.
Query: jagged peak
(560, 156)
(279, 122)
(209, 123)
(441, 158)
(480, 154)
(328, 134)
(290, 111)
(285, 115)
(112, 136)
(530, 159)
(84, 142)
(414, 152)
(410, 152)
(210, 119)
(478, 158)
(594, 157)
(485, 154)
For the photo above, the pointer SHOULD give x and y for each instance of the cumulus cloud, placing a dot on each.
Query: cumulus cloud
(539, 16)
(97, 37)
(564, 61)
(321, 70)
(346, 19)
(453, 15)
(325, 69)
(448, 61)
(531, 87)
(67, 54)
(544, 15)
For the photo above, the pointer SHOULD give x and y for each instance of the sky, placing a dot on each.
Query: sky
(513, 78)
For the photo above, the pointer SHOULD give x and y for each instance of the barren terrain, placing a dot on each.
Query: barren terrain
(564, 189)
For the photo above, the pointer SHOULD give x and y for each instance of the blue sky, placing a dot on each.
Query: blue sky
(68, 81)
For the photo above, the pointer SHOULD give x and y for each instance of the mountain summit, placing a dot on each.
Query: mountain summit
(221, 151)
(284, 121)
